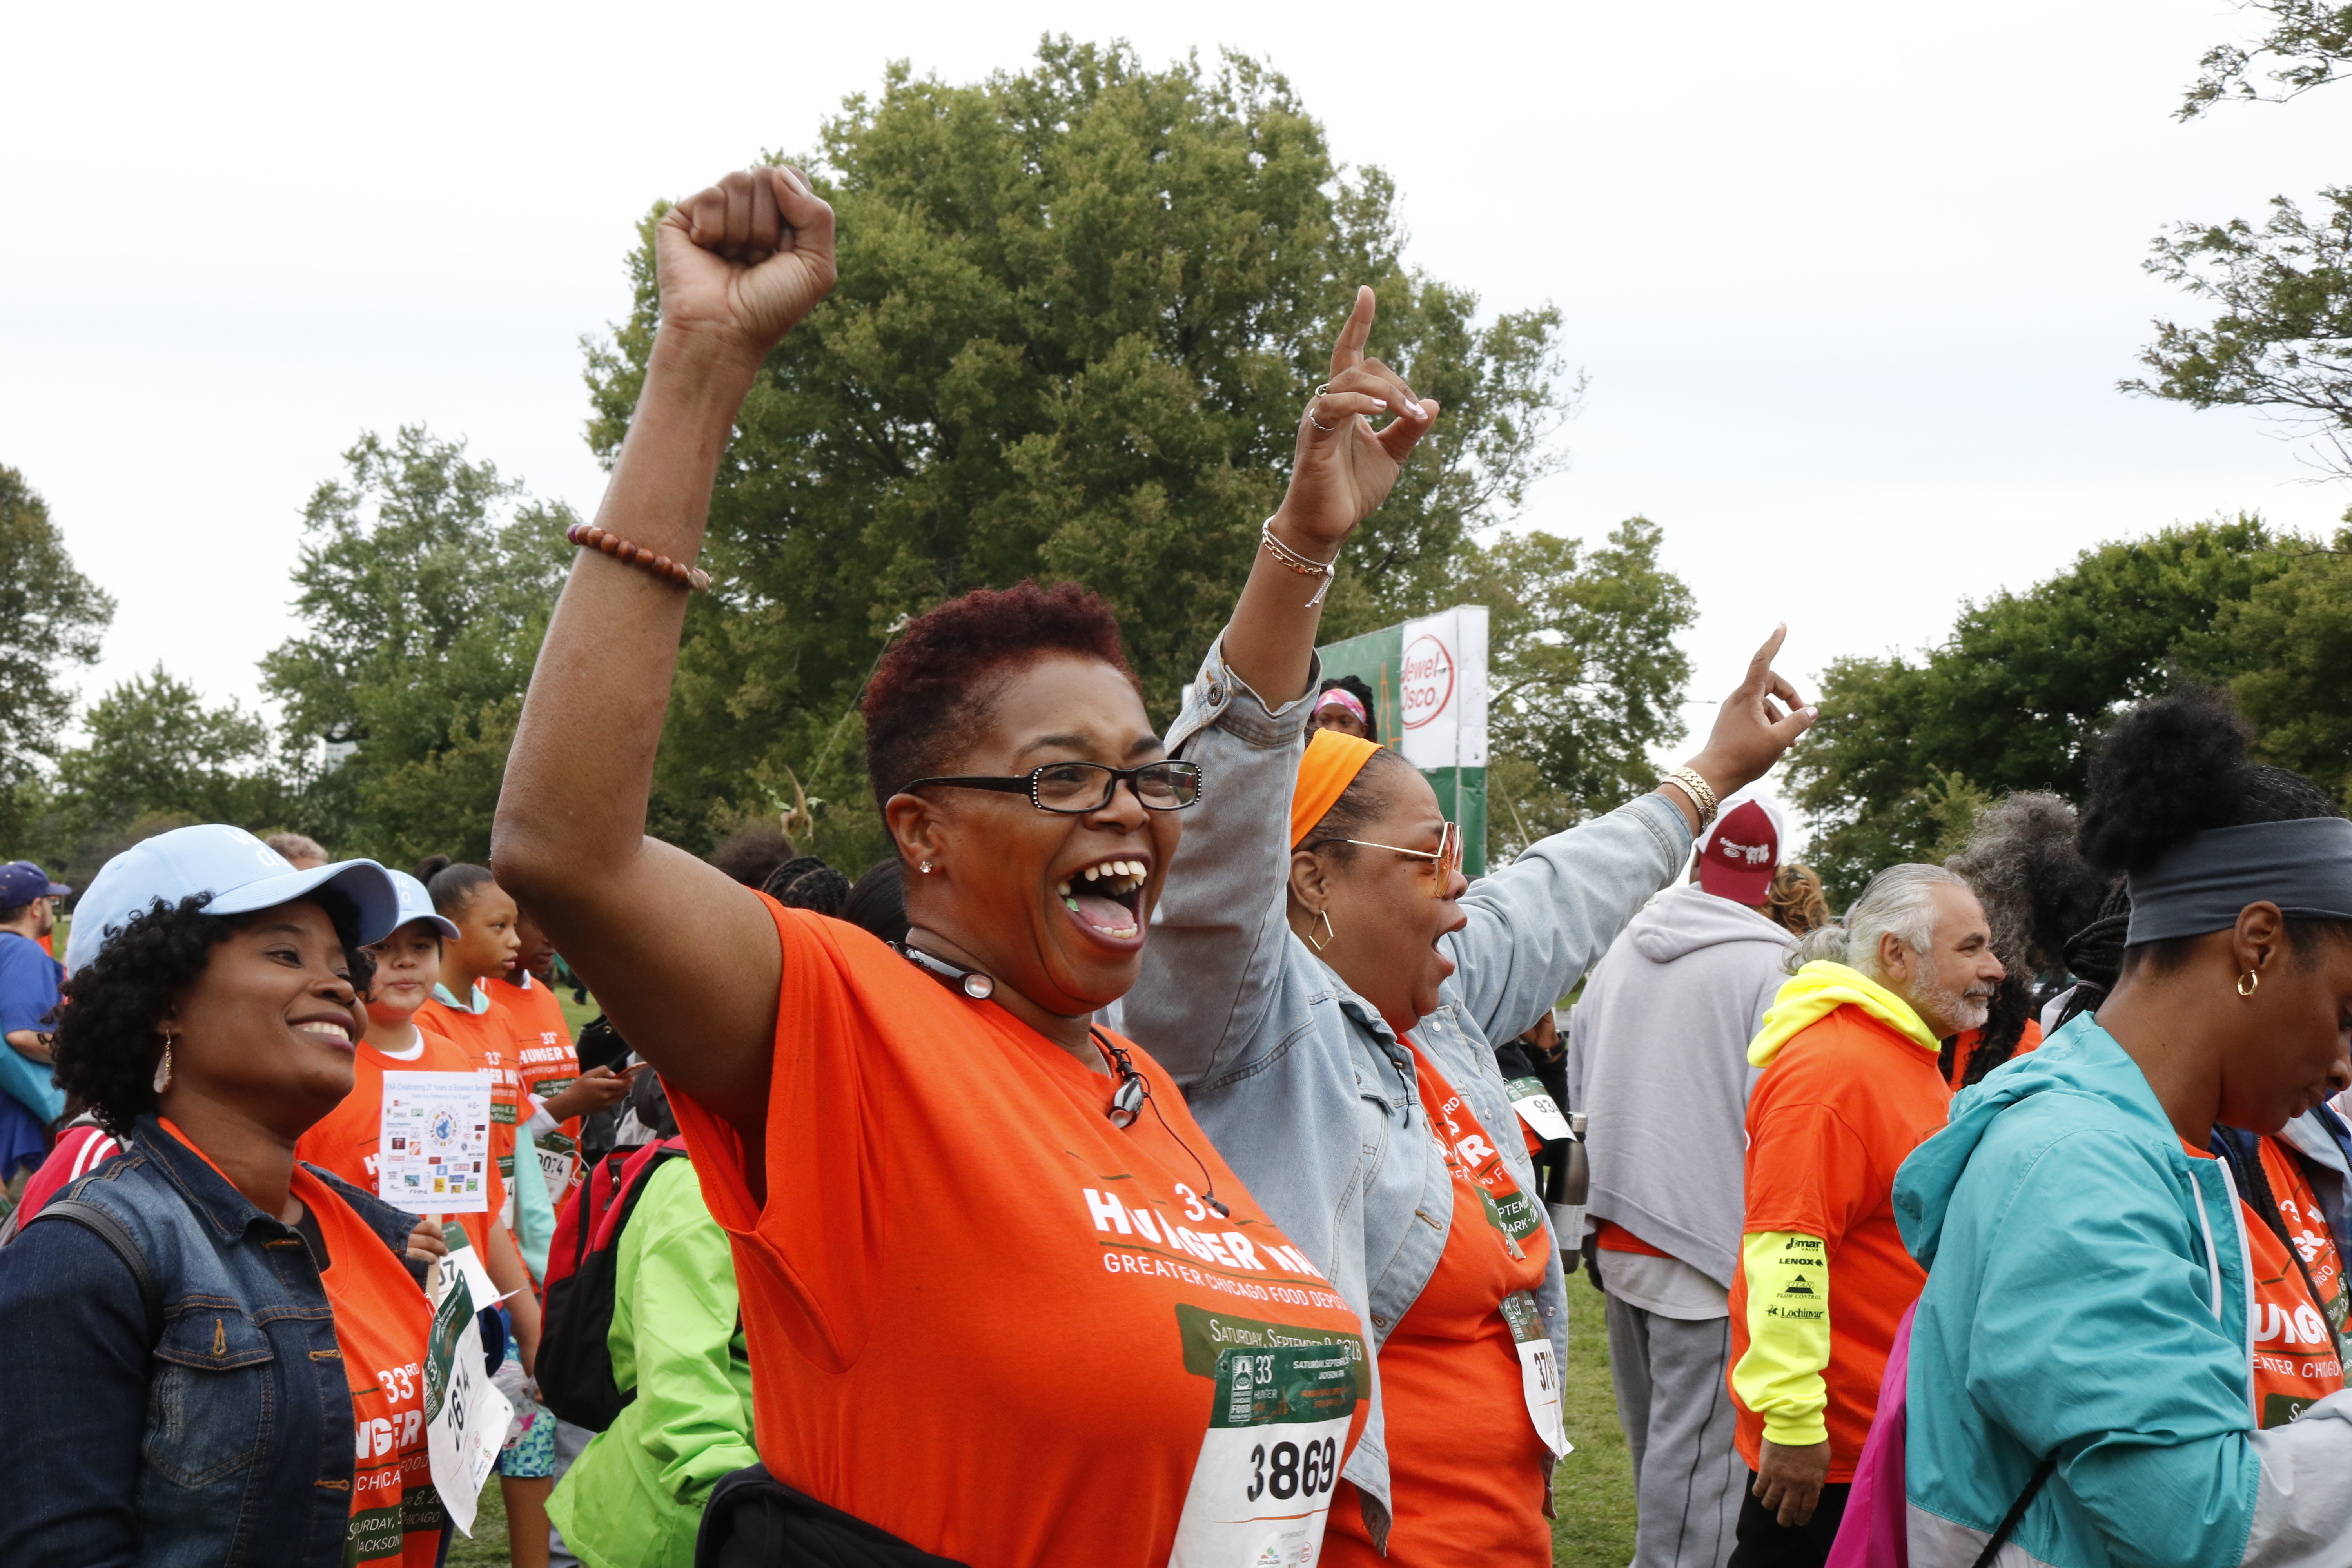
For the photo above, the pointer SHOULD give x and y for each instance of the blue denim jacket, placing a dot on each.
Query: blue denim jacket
(1305, 1090)
(227, 1443)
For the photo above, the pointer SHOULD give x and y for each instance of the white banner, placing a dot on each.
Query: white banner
(1441, 689)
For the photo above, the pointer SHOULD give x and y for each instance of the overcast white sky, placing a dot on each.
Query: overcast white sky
(1854, 283)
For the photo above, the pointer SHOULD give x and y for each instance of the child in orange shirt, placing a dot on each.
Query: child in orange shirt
(485, 947)
(344, 1142)
(556, 1093)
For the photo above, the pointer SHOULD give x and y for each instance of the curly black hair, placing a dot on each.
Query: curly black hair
(106, 1045)
(2178, 766)
(806, 883)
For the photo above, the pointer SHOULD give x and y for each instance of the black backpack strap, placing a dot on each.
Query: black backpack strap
(116, 1234)
(2016, 1515)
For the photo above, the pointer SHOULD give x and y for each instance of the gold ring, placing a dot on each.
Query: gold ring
(1321, 392)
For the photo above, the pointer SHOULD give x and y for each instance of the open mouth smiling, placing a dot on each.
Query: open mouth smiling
(1103, 897)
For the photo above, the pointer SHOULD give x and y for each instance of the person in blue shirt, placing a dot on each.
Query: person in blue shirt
(30, 1102)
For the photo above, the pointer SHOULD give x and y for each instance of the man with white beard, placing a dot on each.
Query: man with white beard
(1849, 1087)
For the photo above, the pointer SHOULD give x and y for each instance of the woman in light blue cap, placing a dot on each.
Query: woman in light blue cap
(181, 1386)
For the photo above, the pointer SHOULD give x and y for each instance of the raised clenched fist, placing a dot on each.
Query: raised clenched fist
(742, 262)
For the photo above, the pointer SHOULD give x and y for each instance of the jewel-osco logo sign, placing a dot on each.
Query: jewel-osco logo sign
(1427, 682)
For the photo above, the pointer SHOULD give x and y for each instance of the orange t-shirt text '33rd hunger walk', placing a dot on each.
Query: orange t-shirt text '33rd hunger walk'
(983, 1318)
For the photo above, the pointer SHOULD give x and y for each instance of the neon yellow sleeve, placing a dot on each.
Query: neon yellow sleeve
(1780, 1378)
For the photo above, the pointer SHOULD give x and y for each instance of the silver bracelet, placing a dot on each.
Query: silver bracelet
(1304, 566)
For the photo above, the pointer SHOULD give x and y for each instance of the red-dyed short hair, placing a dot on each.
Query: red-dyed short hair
(930, 694)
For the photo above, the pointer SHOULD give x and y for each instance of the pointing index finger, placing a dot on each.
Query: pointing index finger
(1348, 351)
(1759, 668)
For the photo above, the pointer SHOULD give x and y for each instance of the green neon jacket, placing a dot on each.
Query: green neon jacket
(634, 1498)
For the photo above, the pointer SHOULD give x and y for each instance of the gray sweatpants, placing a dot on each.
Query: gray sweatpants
(1677, 1416)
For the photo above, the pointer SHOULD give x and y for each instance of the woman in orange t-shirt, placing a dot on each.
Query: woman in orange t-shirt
(1004, 1300)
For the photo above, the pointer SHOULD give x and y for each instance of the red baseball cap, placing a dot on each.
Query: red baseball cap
(1739, 858)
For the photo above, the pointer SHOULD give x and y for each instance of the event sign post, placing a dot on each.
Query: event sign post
(1429, 688)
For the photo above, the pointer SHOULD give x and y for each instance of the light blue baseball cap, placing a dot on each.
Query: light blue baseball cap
(240, 872)
(416, 904)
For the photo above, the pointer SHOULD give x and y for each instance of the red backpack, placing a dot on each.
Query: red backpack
(583, 1264)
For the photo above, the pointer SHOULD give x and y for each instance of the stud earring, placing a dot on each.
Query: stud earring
(163, 1067)
(925, 868)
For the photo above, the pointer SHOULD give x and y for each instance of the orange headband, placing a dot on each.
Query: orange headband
(1333, 759)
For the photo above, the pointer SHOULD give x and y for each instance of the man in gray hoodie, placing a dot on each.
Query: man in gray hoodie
(1658, 1062)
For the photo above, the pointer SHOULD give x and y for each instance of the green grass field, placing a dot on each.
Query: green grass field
(489, 1540)
(1594, 1493)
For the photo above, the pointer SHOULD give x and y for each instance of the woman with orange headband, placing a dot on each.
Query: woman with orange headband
(1326, 986)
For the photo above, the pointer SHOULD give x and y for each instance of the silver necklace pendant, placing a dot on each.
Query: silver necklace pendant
(978, 986)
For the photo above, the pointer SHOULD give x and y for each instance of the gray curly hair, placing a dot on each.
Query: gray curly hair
(2037, 891)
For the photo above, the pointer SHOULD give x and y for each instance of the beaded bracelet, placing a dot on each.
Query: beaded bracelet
(588, 537)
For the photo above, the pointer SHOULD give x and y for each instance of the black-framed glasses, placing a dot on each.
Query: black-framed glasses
(1075, 788)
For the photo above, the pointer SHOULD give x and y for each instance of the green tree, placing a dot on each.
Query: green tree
(2281, 337)
(1584, 676)
(1080, 310)
(51, 616)
(2309, 44)
(2292, 641)
(2013, 698)
(425, 584)
(156, 749)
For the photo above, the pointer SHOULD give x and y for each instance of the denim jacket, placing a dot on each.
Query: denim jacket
(1305, 1090)
(226, 1442)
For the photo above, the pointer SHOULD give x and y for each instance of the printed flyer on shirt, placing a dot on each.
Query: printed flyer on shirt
(434, 1143)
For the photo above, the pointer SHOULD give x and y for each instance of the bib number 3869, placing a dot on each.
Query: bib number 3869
(1262, 1486)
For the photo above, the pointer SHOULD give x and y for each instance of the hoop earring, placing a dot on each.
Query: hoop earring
(163, 1067)
(1329, 936)
(2248, 984)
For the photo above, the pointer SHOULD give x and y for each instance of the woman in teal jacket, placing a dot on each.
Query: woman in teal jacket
(2089, 1288)
(634, 1498)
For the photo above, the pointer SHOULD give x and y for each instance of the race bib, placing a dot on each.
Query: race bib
(1537, 1109)
(559, 1162)
(1539, 1370)
(465, 1417)
(1262, 1486)
(433, 1143)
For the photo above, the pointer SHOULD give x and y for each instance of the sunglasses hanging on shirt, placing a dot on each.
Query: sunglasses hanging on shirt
(1133, 1094)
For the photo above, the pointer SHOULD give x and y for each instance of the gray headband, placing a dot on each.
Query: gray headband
(2201, 884)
